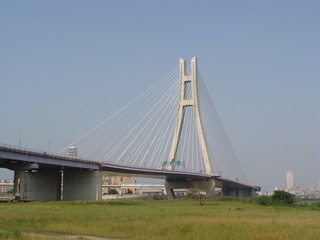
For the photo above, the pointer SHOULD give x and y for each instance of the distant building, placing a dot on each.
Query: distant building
(300, 191)
(6, 186)
(289, 178)
(117, 181)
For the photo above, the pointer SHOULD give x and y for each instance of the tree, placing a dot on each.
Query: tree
(282, 198)
(201, 190)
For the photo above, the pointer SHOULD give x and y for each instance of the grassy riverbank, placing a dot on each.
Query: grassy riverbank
(182, 219)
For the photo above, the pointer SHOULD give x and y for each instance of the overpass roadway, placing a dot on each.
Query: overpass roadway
(42, 174)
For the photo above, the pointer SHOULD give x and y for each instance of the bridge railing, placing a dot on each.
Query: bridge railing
(36, 152)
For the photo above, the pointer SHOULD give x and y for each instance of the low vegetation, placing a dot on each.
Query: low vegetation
(279, 198)
(219, 218)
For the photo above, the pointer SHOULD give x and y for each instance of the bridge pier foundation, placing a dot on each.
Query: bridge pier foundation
(38, 185)
(169, 190)
(45, 185)
(238, 192)
(82, 185)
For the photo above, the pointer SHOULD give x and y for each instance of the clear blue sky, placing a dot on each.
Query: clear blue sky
(67, 65)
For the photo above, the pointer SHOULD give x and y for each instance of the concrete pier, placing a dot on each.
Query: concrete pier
(238, 192)
(169, 190)
(82, 185)
(46, 185)
(38, 185)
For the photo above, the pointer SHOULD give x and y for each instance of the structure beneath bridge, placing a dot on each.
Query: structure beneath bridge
(45, 177)
(40, 176)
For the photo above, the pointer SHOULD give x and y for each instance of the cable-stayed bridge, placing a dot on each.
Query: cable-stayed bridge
(171, 130)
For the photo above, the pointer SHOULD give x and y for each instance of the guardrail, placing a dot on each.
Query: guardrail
(35, 152)
(102, 164)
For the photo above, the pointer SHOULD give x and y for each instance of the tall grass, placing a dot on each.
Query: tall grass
(157, 220)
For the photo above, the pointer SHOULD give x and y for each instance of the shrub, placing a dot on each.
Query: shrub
(201, 191)
(282, 198)
(264, 200)
(316, 204)
(227, 198)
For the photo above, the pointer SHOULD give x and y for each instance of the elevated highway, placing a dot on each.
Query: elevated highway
(42, 174)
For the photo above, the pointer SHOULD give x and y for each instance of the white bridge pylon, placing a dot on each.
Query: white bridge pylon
(172, 125)
(187, 101)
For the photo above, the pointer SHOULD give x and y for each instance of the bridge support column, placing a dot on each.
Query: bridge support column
(238, 192)
(248, 192)
(169, 190)
(38, 185)
(82, 185)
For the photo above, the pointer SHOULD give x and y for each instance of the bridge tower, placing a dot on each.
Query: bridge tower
(189, 100)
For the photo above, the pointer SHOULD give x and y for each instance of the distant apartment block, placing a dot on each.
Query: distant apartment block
(116, 182)
(6, 186)
(289, 180)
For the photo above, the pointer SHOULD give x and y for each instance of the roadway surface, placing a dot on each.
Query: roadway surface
(15, 158)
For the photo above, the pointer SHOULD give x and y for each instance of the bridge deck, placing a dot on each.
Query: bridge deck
(12, 157)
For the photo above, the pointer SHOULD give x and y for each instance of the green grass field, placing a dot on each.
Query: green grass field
(180, 219)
